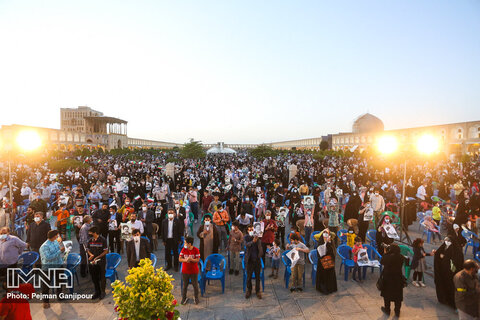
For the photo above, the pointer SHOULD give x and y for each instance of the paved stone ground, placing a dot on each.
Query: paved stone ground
(353, 300)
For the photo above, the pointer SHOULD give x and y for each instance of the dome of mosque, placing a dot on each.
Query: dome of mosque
(367, 123)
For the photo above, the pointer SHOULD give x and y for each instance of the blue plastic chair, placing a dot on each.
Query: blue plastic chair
(342, 236)
(420, 217)
(143, 237)
(200, 277)
(217, 272)
(472, 241)
(288, 270)
(153, 258)
(20, 226)
(428, 232)
(113, 260)
(372, 237)
(73, 260)
(27, 260)
(345, 252)
(477, 256)
(262, 274)
(372, 255)
(313, 257)
(312, 237)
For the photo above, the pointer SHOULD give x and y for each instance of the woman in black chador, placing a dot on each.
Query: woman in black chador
(326, 281)
(447, 262)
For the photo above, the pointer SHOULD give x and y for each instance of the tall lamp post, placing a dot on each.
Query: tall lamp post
(26, 141)
(425, 145)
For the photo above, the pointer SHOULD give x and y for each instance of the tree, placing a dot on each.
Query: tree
(324, 145)
(263, 151)
(192, 150)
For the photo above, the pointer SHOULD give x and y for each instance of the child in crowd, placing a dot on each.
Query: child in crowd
(297, 271)
(275, 254)
(356, 269)
(234, 247)
(418, 262)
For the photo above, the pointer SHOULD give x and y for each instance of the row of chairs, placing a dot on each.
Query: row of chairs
(27, 260)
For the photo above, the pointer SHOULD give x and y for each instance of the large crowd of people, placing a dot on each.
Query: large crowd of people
(252, 210)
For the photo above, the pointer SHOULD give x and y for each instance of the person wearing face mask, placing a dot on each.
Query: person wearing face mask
(189, 257)
(252, 258)
(381, 237)
(467, 291)
(37, 232)
(100, 219)
(38, 204)
(11, 248)
(97, 249)
(269, 230)
(180, 214)
(171, 239)
(326, 280)
(208, 235)
(51, 253)
(378, 205)
(448, 260)
(234, 247)
(114, 221)
(138, 248)
(146, 217)
(221, 220)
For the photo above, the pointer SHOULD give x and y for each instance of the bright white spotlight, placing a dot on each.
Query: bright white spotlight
(427, 144)
(29, 140)
(387, 144)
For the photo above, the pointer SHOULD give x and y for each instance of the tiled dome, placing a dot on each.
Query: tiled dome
(367, 123)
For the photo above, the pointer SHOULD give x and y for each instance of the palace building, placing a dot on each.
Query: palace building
(84, 127)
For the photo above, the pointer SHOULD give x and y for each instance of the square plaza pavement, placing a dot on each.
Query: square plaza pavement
(352, 300)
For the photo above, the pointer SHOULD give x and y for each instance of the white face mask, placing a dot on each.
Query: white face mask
(144, 208)
(170, 216)
(127, 202)
(267, 217)
(387, 221)
(37, 219)
(250, 233)
(207, 223)
(247, 199)
(3, 236)
(448, 243)
(177, 205)
(136, 238)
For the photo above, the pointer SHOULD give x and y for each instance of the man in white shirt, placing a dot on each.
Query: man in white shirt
(134, 223)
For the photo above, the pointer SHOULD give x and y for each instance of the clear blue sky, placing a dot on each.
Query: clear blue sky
(241, 71)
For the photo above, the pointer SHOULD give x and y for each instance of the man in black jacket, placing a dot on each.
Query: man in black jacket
(37, 232)
(171, 239)
(147, 216)
(137, 249)
(253, 256)
(100, 219)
